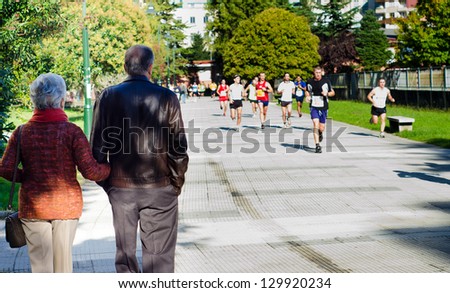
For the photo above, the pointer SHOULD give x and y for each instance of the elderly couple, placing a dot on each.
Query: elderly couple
(143, 174)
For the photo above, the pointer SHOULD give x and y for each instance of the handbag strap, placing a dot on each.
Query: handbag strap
(16, 166)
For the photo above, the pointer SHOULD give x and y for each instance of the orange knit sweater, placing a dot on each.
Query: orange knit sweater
(50, 153)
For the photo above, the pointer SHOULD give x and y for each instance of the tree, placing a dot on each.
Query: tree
(304, 8)
(337, 47)
(274, 41)
(424, 36)
(113, 27)
(339, 53)
(197, 50)
(169, 31)
(371, 43)
(227, 15)
(22, 25)
(332, 21)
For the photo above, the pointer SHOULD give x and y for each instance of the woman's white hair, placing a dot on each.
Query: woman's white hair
(47, 91)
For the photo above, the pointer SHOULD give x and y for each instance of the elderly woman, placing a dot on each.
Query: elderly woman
(50, 199)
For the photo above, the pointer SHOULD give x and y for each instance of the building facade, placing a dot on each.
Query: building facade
(194, 15)
(386, 10)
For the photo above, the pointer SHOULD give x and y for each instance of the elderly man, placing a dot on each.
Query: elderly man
(138, 128)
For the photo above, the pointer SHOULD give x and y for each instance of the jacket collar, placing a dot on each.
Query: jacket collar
(137, 77)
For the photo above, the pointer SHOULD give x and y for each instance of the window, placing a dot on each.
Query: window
(205, 19)
(192, 19)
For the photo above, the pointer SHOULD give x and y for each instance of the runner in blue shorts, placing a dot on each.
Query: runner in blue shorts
(319, 114)
(318, 90)
(300, 88)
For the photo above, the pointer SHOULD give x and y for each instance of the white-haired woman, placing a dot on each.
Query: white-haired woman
(50, 198)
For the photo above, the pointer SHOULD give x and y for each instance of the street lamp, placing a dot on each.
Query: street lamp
(87, 78)
(173, 64)
(152, 11)
(168, 37)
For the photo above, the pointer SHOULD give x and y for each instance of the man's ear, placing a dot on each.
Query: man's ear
(149, 70)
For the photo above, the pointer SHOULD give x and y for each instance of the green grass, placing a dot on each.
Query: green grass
(22, 115)
(430, 126)
(5, 187)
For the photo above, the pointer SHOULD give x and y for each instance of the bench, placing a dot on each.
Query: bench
(400, 123)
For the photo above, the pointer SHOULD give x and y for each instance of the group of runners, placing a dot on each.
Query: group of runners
(257, 92)
(314, 91)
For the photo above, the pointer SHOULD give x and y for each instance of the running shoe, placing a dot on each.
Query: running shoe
(382, 135)
(262, 126)
(318, 149)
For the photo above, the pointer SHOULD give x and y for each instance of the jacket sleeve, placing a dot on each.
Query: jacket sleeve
(97, 132)
(8, 160)
(84, 160)
(98, 125)
(177, 157)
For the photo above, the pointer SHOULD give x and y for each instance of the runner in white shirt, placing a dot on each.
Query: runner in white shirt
(236, 94)
(378, 98)
(251, 88)
(286, 89)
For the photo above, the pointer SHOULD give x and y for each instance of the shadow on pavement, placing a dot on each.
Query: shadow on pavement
(437, 238)
(299, 147)
(422, 176)
(363, 134)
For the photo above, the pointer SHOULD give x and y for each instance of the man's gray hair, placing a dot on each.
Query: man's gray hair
(138, 58)
(47, 91)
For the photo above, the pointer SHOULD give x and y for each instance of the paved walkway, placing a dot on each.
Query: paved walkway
(262, 201)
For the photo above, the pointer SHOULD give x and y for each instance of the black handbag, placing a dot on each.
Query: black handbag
(15, 235)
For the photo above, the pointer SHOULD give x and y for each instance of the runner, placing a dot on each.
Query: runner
(299, 93)
(236, 93)
(201, 89)
(263, 88)
(319, 89)
(252, 95)
(377, 97)
(222, 90)
(213, 88)
(195, 91)
(286, 89)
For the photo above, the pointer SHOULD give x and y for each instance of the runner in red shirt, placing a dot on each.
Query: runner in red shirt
(263, 88)
(223, 90)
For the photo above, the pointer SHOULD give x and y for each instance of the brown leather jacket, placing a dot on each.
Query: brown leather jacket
(138, 128)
